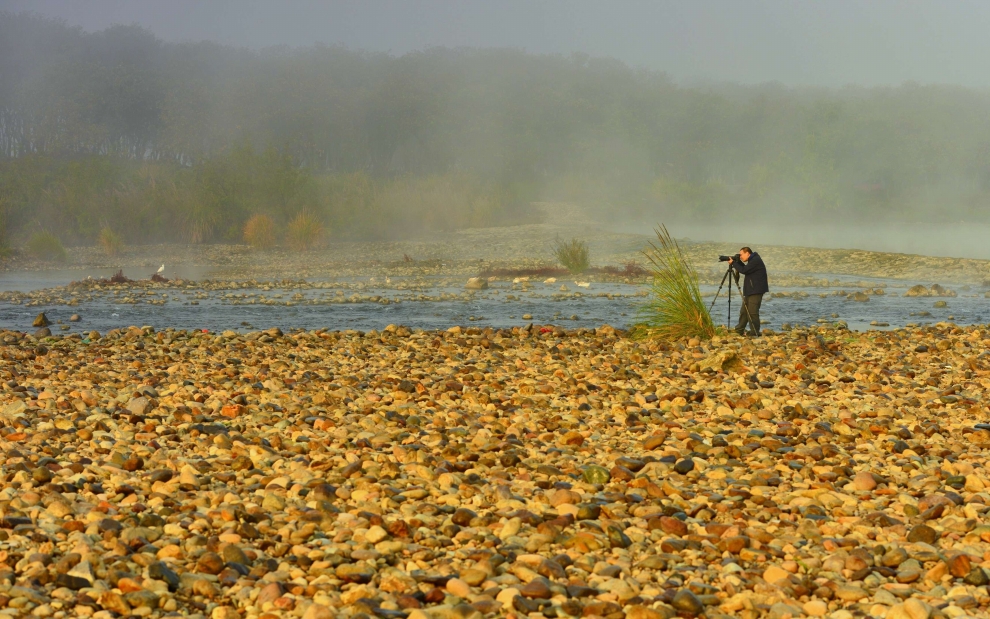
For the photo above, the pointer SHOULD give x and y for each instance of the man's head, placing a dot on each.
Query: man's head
(745, 253)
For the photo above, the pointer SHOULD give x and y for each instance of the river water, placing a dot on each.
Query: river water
(439, 306)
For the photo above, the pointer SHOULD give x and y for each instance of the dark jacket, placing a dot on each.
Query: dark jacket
(756, 275)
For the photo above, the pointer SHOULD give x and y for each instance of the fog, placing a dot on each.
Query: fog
(820, 43)
(830, 124)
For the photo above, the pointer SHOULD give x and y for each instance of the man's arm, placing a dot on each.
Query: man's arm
(755, 264)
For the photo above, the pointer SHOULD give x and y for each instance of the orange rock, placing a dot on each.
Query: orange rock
(959, 565)
(323, 424)
(127, 585)
(232, 410)
(573, 438)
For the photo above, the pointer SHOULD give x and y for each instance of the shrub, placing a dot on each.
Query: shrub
(572, 254)
(675, 309)
(259, 232)
(46, 246)
(304, 232)
(110, 241)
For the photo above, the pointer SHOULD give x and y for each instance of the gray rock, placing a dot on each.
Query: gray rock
(233, 554)
(687, 602)
(139, 406)
(12, 411)
(781, 610)
(160, 571)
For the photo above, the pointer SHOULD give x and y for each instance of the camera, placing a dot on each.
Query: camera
(736, 258)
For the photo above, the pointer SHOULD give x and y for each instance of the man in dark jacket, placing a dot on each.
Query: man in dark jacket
(754, 288)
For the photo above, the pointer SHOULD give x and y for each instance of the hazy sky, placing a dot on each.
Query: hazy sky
(826, 42)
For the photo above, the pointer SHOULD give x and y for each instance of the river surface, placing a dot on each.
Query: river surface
(439, 306)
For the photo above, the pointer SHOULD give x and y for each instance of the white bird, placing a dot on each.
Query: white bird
(161, 269)
(583, 284)
(550, 280)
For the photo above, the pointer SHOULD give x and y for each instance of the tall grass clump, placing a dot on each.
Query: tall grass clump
(259, 232)
(675, 309)
(111, 242)
(44, 245)
(304, 232)
(573, 255)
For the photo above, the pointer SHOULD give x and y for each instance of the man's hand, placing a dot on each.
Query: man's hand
(730, 261)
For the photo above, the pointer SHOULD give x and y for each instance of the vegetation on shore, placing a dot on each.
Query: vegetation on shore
(675, 308)
(45, 245)
(573, 255)
(259, 232)
(185, 142)
(110, 241)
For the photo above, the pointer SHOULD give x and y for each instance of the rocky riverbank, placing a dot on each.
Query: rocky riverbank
(466, 253)
(469, 473)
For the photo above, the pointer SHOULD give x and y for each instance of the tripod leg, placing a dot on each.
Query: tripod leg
(718, 292)
(728, 318)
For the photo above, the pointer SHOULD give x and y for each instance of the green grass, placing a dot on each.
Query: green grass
(573, 255)
(675, 308)
(46, 246)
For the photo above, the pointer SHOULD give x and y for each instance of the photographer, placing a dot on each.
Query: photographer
(751, 265)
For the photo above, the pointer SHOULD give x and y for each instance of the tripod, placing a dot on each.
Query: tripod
(728, 320)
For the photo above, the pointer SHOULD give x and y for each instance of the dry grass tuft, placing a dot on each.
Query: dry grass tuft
(304, 232)
(259, 232)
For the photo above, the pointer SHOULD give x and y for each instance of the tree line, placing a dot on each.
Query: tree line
(187, 141)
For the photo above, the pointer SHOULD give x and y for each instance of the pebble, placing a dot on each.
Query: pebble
(687, 602)
(456, 586)
(599, 475)
(864, 481)
(922, 533)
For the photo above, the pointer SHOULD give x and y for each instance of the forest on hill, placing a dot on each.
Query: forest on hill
(186, 142)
